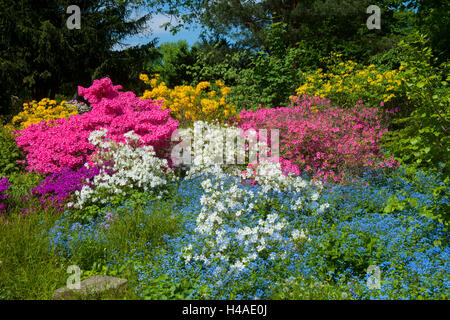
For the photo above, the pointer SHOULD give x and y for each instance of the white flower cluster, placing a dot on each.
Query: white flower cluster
(123, 166)
(302, 234)
(271, 178)
(231, 226)
(269, 175)
(211, 148)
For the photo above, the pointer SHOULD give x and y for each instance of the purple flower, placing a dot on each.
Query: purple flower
(109, 217)
(60, 186)
(4, 185)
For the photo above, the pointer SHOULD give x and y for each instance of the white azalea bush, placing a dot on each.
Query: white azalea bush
(125, 167)
(210, 148)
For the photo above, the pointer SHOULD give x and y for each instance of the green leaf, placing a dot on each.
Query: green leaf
(420, 84)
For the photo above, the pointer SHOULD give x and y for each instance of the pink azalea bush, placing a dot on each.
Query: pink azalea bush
(64, 142)
(324, 140)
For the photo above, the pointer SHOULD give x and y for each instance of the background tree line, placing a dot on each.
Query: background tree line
(259, 47)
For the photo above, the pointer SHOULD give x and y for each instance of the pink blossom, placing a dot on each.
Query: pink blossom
(51, 146)
(326, 141)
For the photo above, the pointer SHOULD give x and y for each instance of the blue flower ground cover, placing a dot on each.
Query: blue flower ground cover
(388, 220)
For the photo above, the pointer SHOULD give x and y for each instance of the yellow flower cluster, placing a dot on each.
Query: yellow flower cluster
(188, 103)
(347, 82)
(44, 110)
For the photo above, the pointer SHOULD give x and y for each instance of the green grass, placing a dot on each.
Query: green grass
(29, 270)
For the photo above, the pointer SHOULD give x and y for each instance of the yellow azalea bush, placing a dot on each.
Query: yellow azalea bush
(346, 82)
(205, 101)
(44, 110)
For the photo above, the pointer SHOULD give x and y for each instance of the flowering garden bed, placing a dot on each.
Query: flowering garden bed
(326, 216)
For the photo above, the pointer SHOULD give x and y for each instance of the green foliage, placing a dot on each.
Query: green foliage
(439, 212)
(437, 186)
(271, 77)
(88, 251)
(9, 153)
(421, 136)
(300, 288)
(263, 77)
(164, 288)
(136, 60)
(433, 19)
(21, 185)
(175, 58)
(217, 61)
(389, 60)
(337, 251)
(394, 204)
(323, 25)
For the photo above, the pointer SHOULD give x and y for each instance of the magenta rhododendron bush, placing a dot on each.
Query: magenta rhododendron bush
(54, 145)
(319, 138)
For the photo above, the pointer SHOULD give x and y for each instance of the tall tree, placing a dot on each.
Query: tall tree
(323, 24)
(433, 19)
(40, 55)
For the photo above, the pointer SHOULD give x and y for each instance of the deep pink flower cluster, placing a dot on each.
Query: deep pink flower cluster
(324, 140)
(4, 185)
(64, 142)
(59, 187)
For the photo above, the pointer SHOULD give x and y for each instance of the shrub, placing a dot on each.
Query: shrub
(188, 103)
(421, 132)
(64, 142)
(58, 188)
(211, 148)
(326, 141)
(228, 230)
(125, 168)
(9, 153)
(44, 110)
(266, 77)
(271, 78)
(345, 83)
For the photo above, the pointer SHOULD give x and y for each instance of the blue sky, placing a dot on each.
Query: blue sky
(153, 30)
